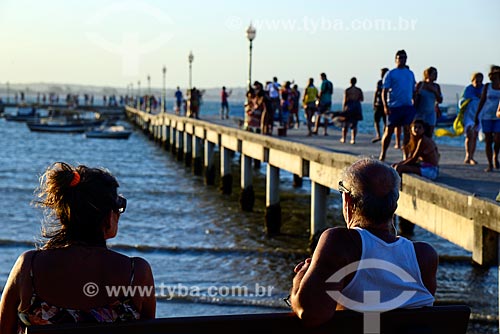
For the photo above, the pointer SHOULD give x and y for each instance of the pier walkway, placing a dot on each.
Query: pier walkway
(459, 206)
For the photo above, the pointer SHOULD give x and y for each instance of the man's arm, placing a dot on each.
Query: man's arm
(309, 297)
(428, 261)
(384, 101)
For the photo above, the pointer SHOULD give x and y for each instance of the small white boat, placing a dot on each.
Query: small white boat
(109, 132)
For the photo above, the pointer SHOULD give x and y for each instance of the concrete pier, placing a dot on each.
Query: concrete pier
(458, 206)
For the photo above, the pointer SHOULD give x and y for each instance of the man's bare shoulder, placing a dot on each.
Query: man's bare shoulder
(425, 251)
(339, 240)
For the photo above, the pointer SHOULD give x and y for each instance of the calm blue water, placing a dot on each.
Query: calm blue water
(194, 237)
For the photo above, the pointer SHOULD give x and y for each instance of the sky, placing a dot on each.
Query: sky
(119, 43)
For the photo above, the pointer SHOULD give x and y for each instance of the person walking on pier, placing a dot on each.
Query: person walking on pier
(427, 98)
(324, 103)
(273, 91)
(469, 102)
(178, 101)
(224, 105)
(421, 152)
(490, 121)
(45, 285)
(351, 106)
(397, 97)
(378, 107)
(294, 107)
(370, 247)
(311, 95)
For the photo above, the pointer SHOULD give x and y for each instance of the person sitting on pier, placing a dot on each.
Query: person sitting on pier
(367, 256)
(421, 152)
(67, 279)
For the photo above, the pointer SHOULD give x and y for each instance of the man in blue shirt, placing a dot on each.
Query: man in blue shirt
(178, 101)
(325, 103)
(397, 97)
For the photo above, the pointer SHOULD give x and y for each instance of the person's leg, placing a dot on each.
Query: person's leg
(470, 145)
(397, 134)
(354, 130)
(325, 123)
(263, 122)
(406, 134)
(408, 169)
(376, 125)
(488, 143)
(431, 131)
(496, 149)
(344, 133)
(316, 122)
(386, 141)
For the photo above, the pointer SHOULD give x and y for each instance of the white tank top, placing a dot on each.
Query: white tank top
(386, 278)
(491, 104)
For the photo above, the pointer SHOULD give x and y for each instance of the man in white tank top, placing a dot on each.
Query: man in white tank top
(366, 266)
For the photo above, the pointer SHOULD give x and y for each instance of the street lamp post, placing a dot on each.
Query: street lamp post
(250, 35)
(139, 94)
(190, 59)
(164, 92)
(8, 92)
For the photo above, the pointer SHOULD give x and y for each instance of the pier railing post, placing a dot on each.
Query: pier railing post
(197, 156)
(485, 250)
(273, 207)
(173, 134)
(225, 171)
(247, 197)
(168, 137)
(180, 144)
(209, 163)
(188, 149)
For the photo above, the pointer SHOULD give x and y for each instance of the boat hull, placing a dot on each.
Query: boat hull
(108, 135)
(62, 128)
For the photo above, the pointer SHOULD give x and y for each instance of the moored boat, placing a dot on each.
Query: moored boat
(24, 113)
(447, 118)
(66, 121)
(109, 132)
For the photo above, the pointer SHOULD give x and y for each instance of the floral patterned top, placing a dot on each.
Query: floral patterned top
(41, 313)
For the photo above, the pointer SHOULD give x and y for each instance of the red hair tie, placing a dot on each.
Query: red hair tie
(76, 179)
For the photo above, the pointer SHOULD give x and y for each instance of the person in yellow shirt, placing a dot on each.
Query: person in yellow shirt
(309, 103)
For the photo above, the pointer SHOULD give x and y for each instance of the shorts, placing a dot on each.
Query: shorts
(429, 171)
(401, 116)
(490, 125)
(324, 107)
(378, 114)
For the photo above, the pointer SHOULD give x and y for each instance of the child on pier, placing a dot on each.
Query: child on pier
(421, 153)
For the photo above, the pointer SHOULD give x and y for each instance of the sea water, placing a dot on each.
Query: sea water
(207, 256)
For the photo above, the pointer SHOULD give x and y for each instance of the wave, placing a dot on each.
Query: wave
(225, 301)
(277, 252)
(173, 249)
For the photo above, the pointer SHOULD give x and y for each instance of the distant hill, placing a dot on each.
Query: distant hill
(450, 92)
